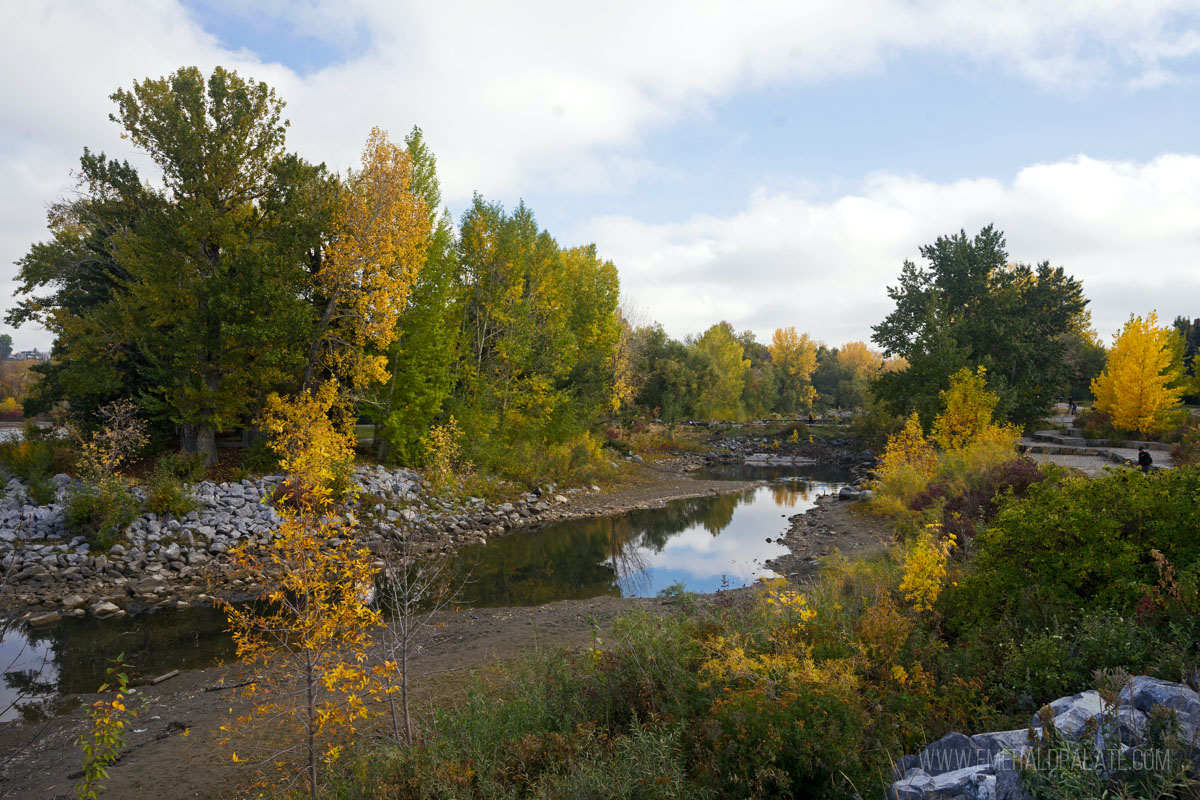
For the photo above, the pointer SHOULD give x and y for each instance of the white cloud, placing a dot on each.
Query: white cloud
(528, 97)
(1131, 232)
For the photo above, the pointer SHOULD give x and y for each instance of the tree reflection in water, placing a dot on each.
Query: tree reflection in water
(640, 552)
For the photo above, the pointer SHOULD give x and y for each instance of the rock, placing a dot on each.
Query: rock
(1145, 693)
(953, 753)
(913, 786)
(1008, 779)
(73, 601)
(970, 783)
(146, 586)
(104, 609)
(1071, 714)
(42, 620)
(995, 743)
(849, 493)
(1148, 693)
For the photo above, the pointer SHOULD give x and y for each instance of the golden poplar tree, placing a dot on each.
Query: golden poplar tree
(1141, 386)
(369, 268)
(307, 634)
(795, 358)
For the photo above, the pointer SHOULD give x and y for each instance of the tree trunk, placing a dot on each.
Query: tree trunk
(206, 444)
(187, 437)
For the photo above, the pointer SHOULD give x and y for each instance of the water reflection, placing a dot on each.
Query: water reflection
(703, 542)
(71, 657)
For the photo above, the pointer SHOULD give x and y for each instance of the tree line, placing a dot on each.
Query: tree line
(241, 271)
(245, 272)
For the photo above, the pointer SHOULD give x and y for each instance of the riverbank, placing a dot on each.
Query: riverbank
(176, 563)
(173, 749)
(833, 524)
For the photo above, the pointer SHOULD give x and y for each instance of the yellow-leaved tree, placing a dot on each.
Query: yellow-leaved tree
(967, 408)
(1142, 383)
(795, 358)
(307, 634)
(368, 270)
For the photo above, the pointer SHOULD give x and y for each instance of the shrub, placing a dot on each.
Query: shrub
(101, 511)
(1186, 452)
(1084, 544)
(35, 460)
(168, 490)
(183, 466)
(442, 448)
(10, 409)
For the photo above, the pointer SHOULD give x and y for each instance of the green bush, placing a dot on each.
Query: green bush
(1080, 545)
(100, 512)
(167, 496)
(184, 467)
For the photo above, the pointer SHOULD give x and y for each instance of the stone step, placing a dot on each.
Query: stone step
(1132, 444)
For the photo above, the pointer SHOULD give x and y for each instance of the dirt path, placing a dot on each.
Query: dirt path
(160, 762)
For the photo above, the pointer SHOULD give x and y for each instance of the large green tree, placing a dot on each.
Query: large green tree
(669, 374)
(721, 398)
(193, 288)
(539, 333)
(971, 307)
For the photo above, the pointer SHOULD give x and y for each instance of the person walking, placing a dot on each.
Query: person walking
(1144, 460)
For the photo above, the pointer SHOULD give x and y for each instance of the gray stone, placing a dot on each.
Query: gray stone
(1000, 741)
(1072, 714)
(73, 601)
(1008, 778)
(104, 609)
(42, 620)
(913, 786)
(953, 753)
(1149, 692)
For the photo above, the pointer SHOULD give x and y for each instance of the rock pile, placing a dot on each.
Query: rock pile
(164, 561)
(985, 766)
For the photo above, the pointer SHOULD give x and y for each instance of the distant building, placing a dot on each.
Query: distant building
(29, 355)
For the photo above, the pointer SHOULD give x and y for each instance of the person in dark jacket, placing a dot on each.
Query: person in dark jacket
(1144, 460)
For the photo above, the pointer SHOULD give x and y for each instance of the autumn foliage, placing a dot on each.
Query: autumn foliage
(369, 269)
(1142, 383)
(307, 635)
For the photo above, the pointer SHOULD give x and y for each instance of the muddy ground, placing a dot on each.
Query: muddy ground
(832, 525)
(160, 761)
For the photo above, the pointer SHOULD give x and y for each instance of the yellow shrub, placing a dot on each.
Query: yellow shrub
(443, 454)
(311, 449)
(925, 567)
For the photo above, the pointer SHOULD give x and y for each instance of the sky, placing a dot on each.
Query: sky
(765, 163)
